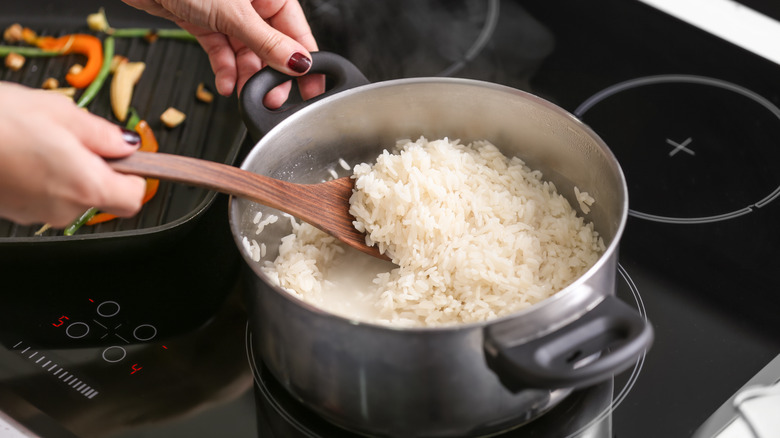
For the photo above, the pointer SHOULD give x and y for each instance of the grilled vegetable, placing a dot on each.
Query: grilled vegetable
(13, 33)
(172, 117)
(98, 21)
(95, 86)
(28, 52)
(202, 94)
(125, 77)
(29, 36)
(50, 84)
(116, 61)
(78, 223)
(65, 91)
(14, 61)
(16, 33)
(83, 44)
(150, 35)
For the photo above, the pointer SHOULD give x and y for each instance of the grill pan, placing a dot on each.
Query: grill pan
(178, 250)
(173, 69)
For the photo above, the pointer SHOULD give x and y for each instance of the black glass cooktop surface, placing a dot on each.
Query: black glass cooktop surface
(692, 119)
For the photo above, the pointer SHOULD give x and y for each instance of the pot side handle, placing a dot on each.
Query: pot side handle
(601, 343)
(259, 119)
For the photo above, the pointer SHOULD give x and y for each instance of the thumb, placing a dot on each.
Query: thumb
(124, 192)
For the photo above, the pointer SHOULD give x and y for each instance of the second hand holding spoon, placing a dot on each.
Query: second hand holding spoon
(324, 205)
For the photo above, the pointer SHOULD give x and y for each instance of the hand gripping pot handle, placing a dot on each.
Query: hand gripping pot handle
(603, 342)
(259, 119)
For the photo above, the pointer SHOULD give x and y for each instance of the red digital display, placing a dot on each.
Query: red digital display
(60, 321)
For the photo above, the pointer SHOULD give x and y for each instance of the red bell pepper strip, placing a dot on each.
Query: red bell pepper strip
(148, 140)
(148, 144)
(87, 45)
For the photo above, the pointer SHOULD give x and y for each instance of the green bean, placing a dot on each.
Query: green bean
(92, 90)
(29, 52)
(135, 32)
(81, 220)
(133, 119)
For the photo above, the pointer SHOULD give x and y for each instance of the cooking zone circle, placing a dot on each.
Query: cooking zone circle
(587, 411)
(694, 149)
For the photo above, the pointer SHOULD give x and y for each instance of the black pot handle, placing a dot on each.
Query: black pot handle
(259, 119)
(603, 342)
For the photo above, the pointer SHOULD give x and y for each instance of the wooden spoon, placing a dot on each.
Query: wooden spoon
(324, 205)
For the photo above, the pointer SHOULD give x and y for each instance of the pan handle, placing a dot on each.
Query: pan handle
(603, 342)
(259, 119)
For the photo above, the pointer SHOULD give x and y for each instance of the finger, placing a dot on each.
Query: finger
(98, 185)
(311, 85)
(123, 196)
(278, 50)
(122, 193)
(290, 20)
(76, 179)
(60, 215)
(152, 7)
(99, 135)
(277, 96)
(222, 57)
(247, 62)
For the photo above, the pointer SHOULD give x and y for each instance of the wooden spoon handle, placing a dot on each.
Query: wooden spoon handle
(210, 175)
(324, 205)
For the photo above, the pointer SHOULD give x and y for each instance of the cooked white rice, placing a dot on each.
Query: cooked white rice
(584, 200)
(474, 234)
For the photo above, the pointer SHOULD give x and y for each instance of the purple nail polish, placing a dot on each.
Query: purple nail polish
(299, 63)
(131, 137)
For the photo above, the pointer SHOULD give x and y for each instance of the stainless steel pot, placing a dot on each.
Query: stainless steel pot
(469, 379)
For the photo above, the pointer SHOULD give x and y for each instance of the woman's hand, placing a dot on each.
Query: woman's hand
(51, 160)
(241, 36)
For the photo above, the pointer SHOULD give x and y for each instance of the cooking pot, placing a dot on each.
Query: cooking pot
(461, 380)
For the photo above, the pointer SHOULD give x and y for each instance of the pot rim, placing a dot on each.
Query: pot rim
(552, 300)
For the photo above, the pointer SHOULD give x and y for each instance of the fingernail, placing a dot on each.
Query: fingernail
(299, 63)
(131, 137)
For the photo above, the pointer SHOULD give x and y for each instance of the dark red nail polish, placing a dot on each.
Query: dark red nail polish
(299, 63)
(131, 137)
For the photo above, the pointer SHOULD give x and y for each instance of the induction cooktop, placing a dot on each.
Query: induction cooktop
(686, 101)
